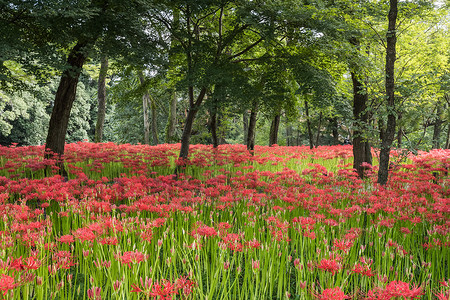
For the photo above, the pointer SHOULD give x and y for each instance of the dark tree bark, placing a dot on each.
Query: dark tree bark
(187, 131)
(220, 129)
(145, 102)
(154, 126)
(217, 132)
(213, 124)
(245, 121)
(64, 98)
(274, 126)
(399, 131)
(252, 127)
(335, 131)
(318, 129)
(172, 119)
(101, 97)
(361, 147)
(389, 133)
(308, 125)
(289, 138)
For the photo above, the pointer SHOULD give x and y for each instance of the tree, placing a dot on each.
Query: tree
(30, 128)
(387, 133)
(210, 35)
(73, 30)
(101, 96)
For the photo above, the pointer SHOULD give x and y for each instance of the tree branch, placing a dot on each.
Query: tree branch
(246, 49)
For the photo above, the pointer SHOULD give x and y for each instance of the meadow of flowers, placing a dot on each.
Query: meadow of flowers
(286, 223)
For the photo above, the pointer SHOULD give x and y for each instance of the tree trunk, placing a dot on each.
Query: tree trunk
(193, 109)
(154, 110)
(335, 131)
(245, 121)
(252, 127)
(220, 130)
(447, 143)
(172, 120)
(308, 125)
(145, 102)
(437, 127)
(318, 129)
(389, 133)
(289, 139)
(361, 147)
(101, 97)
(213, 125)
(274, 126)
(399, 131)
(64, 98)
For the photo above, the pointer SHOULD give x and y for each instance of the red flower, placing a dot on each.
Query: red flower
(363, 270)
(68, 238)
(6, 283)
(163, 290)
(206, 231)
(330, 265)
(396, 289)
(136, 289)
(401, 289)
(32, 264)
(131, 257)
(343, 245)
(333, 294)
(443, 296)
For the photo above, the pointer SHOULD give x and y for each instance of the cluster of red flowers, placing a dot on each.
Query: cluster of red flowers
(121, 195)
(164, 289)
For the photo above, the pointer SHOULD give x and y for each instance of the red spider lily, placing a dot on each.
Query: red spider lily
(232, 242)
(31, 263)
(405, 230)
(84, 234)
(136, 289)
(163, 290)
(131, 257)
(321, 205)
(185, 285)
(330, 265)
(206, 231)
(224, 225)
(145, 288)
(396, 289)
(255, 264)
(343, 245)
(16, 264)
(363, 270)
(110, 240)
(64, 260)
(443, 295)
(95, 293)
(158, 222)
(333, 294)
(445, 283)
(253, 244)
(66, 239)
(6, 283)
